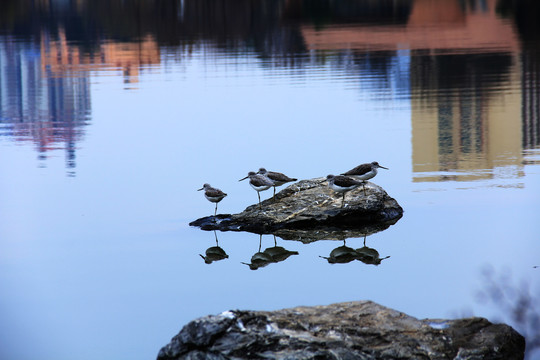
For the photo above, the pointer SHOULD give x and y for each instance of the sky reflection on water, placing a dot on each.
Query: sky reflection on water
(138, 120)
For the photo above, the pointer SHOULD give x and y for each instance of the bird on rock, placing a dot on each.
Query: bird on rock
(364, 172)
(213, 195)
(278, 178)
(259, 183)
(342, 184)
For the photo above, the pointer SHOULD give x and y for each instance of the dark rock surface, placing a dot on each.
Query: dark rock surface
(355, 330)
(309, 204)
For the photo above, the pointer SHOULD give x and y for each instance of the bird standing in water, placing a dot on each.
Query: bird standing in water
(342, 184)
(259, 183)
(213, 195)
(278, 178)
(364, 172)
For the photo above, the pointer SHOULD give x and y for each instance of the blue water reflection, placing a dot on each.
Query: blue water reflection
(37, 107)
(140, 111)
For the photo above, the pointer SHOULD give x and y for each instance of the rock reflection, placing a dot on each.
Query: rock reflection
(214, 253)
(270, 255)
(333, 232)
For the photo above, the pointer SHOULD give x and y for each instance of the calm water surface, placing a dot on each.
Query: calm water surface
(113, 115)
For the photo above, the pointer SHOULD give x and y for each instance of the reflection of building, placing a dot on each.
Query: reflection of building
(465, 81)
(440, 26)
(466, 108)
(461, 132)
(61, 58)
(33, 107)
(45, 89)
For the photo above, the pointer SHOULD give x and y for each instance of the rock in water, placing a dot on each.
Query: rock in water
(308, 204)
(355, 330)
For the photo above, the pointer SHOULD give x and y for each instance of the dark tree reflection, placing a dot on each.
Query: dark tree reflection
(518, 307)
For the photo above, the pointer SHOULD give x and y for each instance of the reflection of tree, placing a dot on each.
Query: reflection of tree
(463, 71)
(323, 12)
(518, 307)
(268, 27)
(524, 13)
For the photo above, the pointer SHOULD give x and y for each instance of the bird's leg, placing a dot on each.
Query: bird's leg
(260, 242)
(215, 234)
(259, 195)
(343, 201)
(275, 241)
(215, 212)
(274, 194)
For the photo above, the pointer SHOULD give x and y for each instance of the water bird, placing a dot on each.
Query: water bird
(259, 183)
(213, 195)
(278, 178)
(342, 184)
(364, 172)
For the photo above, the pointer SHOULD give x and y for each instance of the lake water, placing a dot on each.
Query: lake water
(113, 114)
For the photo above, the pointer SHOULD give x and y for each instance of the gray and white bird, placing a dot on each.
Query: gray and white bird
(278, 178)
(259, 183)
(213, 195)
(342, 184)
(364, 172)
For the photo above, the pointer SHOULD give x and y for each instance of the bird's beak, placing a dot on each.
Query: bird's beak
(200, 189)
(383, 167)
(244, 178)
(320, 182)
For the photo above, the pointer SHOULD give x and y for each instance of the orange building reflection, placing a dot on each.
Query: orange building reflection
(60, 58)
(442, 26)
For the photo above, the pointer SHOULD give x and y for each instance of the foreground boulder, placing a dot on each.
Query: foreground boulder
(355, 330)
(309, 204)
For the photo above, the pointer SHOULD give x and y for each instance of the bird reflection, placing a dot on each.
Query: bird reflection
(259, 259)
(341, 255)
(279, 253)
(344, 254)
(214, 253)
(270, 255)
(368, 255)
